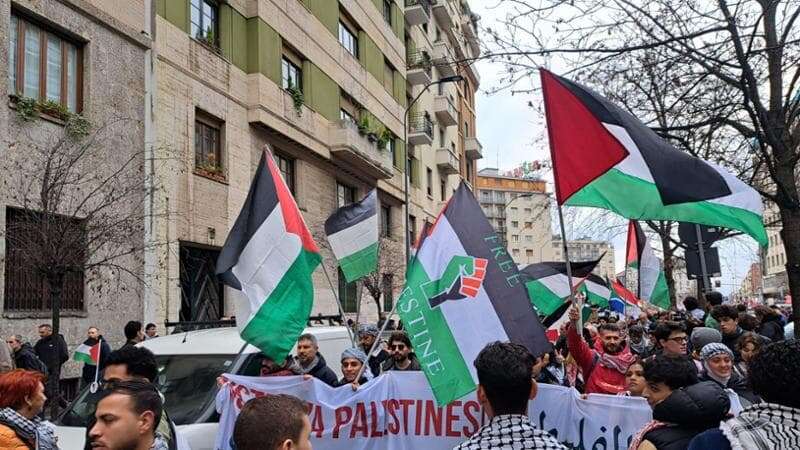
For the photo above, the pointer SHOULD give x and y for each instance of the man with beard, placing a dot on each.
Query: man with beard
(604, 366)
(310, 363)
(93, 336)
(403, 358)
(126, 417)
(367, 335)
(52, 351)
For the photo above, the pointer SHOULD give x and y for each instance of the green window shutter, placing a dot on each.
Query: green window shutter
(415, 172)
(400, 154)
(263, 50)
(233, 36)
(398, 22)
(177, 13)
(161, 8)
(399, 88)
(327, 11)
(372, 57)
(320, 91)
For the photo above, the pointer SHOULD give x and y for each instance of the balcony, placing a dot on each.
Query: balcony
(473, 148)
(447, 161)
(419, 67)
(445, 110)
(359, 152)
(443, 59)
(420, 129)
(443, 15)
(418, 12)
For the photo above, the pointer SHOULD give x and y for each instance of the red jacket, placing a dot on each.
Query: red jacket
(599, 379)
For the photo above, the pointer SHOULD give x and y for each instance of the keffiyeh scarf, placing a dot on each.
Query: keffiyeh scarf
(764, 426)
(31, 430)
(648, 427)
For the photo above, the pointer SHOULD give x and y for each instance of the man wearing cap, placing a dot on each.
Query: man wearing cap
(353, 359)
(718, 367)
(367, 334)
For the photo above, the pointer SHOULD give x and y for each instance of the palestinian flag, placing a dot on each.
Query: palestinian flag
(89, 354)
(604, 157)
(640, 258)
(560, 316)
(548, 284)
(353, 234)
(423, 234)
(269, 256)
(463, 291)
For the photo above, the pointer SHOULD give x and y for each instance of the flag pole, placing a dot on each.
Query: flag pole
(94, 386)
(377, 339)
(569, 268)
(339, 304)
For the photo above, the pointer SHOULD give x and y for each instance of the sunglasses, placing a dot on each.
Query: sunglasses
(397, 347)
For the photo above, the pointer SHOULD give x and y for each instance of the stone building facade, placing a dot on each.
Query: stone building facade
(71, 56)
(586, 249)
(519, 210)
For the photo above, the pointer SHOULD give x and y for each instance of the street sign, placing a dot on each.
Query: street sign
(688, 234)
(694, 269)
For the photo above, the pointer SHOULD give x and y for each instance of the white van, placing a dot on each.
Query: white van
(188, 366)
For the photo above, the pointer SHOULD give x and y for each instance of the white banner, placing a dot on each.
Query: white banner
(397, 411)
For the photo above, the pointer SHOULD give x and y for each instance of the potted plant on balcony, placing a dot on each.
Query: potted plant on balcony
(363, 124)
(210, 168)
(297, 98)
(384, 138)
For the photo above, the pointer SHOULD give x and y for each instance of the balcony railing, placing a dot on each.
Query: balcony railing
(420, 129)
(418, 12)
(419, 67)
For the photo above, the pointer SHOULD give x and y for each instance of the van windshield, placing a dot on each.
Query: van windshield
(187, 382)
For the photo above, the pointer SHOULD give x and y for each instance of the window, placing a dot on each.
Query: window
(347, 293)
(466, 129)
(205, 21)
(348, 39)
(387, 11)
(528, 225)
(429, 179)
(486, 194)
(345, 195)
(442, 189)
(514, 224)
(207, 144)
(43, 65)
(286, 166)
(514, 209)
(528, 238)
(390, 147)
(388, 76)
(515, 252)
(528, 211)
(346, 116)
(386, 221)
(514, 238)
(529, 254)
(412, 228)
(387, 288)
(441, 137)
(291, 75)
(25, 287)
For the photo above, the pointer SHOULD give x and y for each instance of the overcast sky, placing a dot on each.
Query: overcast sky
(512, 132)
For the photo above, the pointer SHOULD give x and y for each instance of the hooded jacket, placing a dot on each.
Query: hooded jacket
(688, 412)
(52, 351)
(599, 378)
(87, 373)
(771, 328)
(737, 384)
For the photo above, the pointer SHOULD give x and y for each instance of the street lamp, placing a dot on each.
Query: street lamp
(453, 79)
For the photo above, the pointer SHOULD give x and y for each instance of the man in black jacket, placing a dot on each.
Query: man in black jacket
(367, 335)
(52, 351)
(92, 337)
(24, 356)
(309, 362)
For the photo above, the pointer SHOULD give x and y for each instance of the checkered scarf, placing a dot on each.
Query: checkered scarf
(510, 432)
(764, 426)
(30, 430)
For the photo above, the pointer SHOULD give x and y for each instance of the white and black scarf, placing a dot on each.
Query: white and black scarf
(764, 426)
(33, 431)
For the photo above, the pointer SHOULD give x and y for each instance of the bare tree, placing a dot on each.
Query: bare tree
(389, 262)
(735, 75)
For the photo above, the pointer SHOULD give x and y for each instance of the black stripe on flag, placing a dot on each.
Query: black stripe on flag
(349, 215)
(580, 269)
(504, 284)
(261, 200)
(679, 176)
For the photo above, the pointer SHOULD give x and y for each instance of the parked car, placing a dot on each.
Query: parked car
(188, 366)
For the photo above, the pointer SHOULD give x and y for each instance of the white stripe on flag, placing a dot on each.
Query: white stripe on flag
(598, 289)
(633, 164)
(472, 321)
(265, 260)
(557, 284)
(354, 239)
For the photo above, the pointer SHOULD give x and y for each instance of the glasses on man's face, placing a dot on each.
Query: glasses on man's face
(679, 339)
(397, 347)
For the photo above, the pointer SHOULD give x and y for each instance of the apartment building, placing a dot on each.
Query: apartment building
(776, 281)
(70, 60)
(585, 249)
(325, 85)
(519, 210)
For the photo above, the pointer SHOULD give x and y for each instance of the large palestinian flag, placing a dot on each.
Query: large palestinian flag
(640, 258)
(353, 234)
(269, 256)
(462, 292)
(548, 284)
(604, 157)
(88, 354)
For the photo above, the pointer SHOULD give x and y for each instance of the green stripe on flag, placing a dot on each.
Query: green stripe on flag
(83, 357)
(635, 198)
(660, 294)
(433, 342)
(545, 301)
(280, 320)
(360, 263)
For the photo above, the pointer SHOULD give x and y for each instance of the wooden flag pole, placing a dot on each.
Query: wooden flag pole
(339, 304)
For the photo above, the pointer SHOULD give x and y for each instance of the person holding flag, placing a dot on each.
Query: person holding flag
(93, 353)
